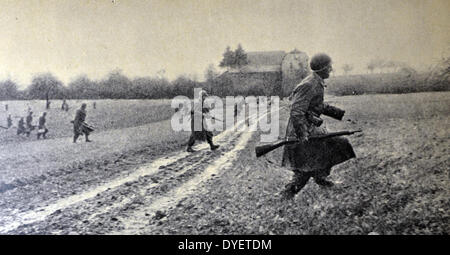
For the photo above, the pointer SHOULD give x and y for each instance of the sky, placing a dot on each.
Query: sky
(72, 38)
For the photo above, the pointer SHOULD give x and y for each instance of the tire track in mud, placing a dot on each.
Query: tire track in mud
(97, 204)
(134, 223)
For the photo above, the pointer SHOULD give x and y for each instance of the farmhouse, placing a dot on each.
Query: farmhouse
(269, 72)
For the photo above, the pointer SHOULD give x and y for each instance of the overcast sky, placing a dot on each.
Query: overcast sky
(69, 38)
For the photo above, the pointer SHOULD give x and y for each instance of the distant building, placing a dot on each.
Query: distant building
(269, 72)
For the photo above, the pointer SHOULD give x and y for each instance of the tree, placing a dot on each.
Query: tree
(210, 73)
(161, 74)
(116, 86)
(347, 68)
(83, 88)
(228, 58)
(45, 86)
(234, 59)
(390, 64)
(440, 74)
(240, 57)
(8, 90)
(183, 85)
(223, 86)
(370, 67)
(374, 64)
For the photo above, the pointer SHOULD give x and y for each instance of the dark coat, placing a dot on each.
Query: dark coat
(42, 121)
(29, 120)
(307, 98)
(80, 117)
(199, 131)
(21, 127)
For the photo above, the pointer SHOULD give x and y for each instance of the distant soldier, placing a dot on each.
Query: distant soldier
(42, 128)
(200, 112)
(236, 111)
(247, 113)
(94, 105)
(65, 105)
(47, 106)
(6, 107)
(29, 121)
(79, 127)
(316, 157)
(9, 121)
(21, 126)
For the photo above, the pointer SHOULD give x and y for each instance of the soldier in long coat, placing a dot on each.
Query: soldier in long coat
(9, 121)
(29, 121)
(21, 127)
(78, 127)
(312, 158)
(42, 128)
(198, 115)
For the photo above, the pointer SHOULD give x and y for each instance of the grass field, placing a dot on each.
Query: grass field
(109, 114)
(398, 184)
(384, 83)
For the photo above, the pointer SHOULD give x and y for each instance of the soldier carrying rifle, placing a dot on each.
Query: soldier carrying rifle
(29, 121)
(198, 115)
(312, 158)
(79, 126)
(9, 121)
(21, 127)
(42, 128)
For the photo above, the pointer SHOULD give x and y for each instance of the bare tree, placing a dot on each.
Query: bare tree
(44, 86)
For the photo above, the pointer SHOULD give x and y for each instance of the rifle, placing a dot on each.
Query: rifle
(264, 149)
(212, 117)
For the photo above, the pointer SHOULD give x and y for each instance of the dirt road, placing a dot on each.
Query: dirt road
(121, 204)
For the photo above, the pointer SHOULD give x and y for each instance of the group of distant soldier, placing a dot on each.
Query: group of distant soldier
(25, 125)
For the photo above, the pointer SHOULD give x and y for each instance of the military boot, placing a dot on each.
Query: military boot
(299, 181)
(323, 182)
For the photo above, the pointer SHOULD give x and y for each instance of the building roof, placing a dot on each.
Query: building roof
(261, 62)
(265, 58)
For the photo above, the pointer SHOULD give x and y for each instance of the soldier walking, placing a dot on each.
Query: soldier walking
(200, 112)
(314, 158)
(21, 126)
(42, 128)
(65, 105)
(79, 127)
(9, 121)
(29, 121)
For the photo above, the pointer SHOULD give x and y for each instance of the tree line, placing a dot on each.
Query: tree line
(115, 85)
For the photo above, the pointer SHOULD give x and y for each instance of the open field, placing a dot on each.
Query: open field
(398, 184)
(385, 83)
(109, 114)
